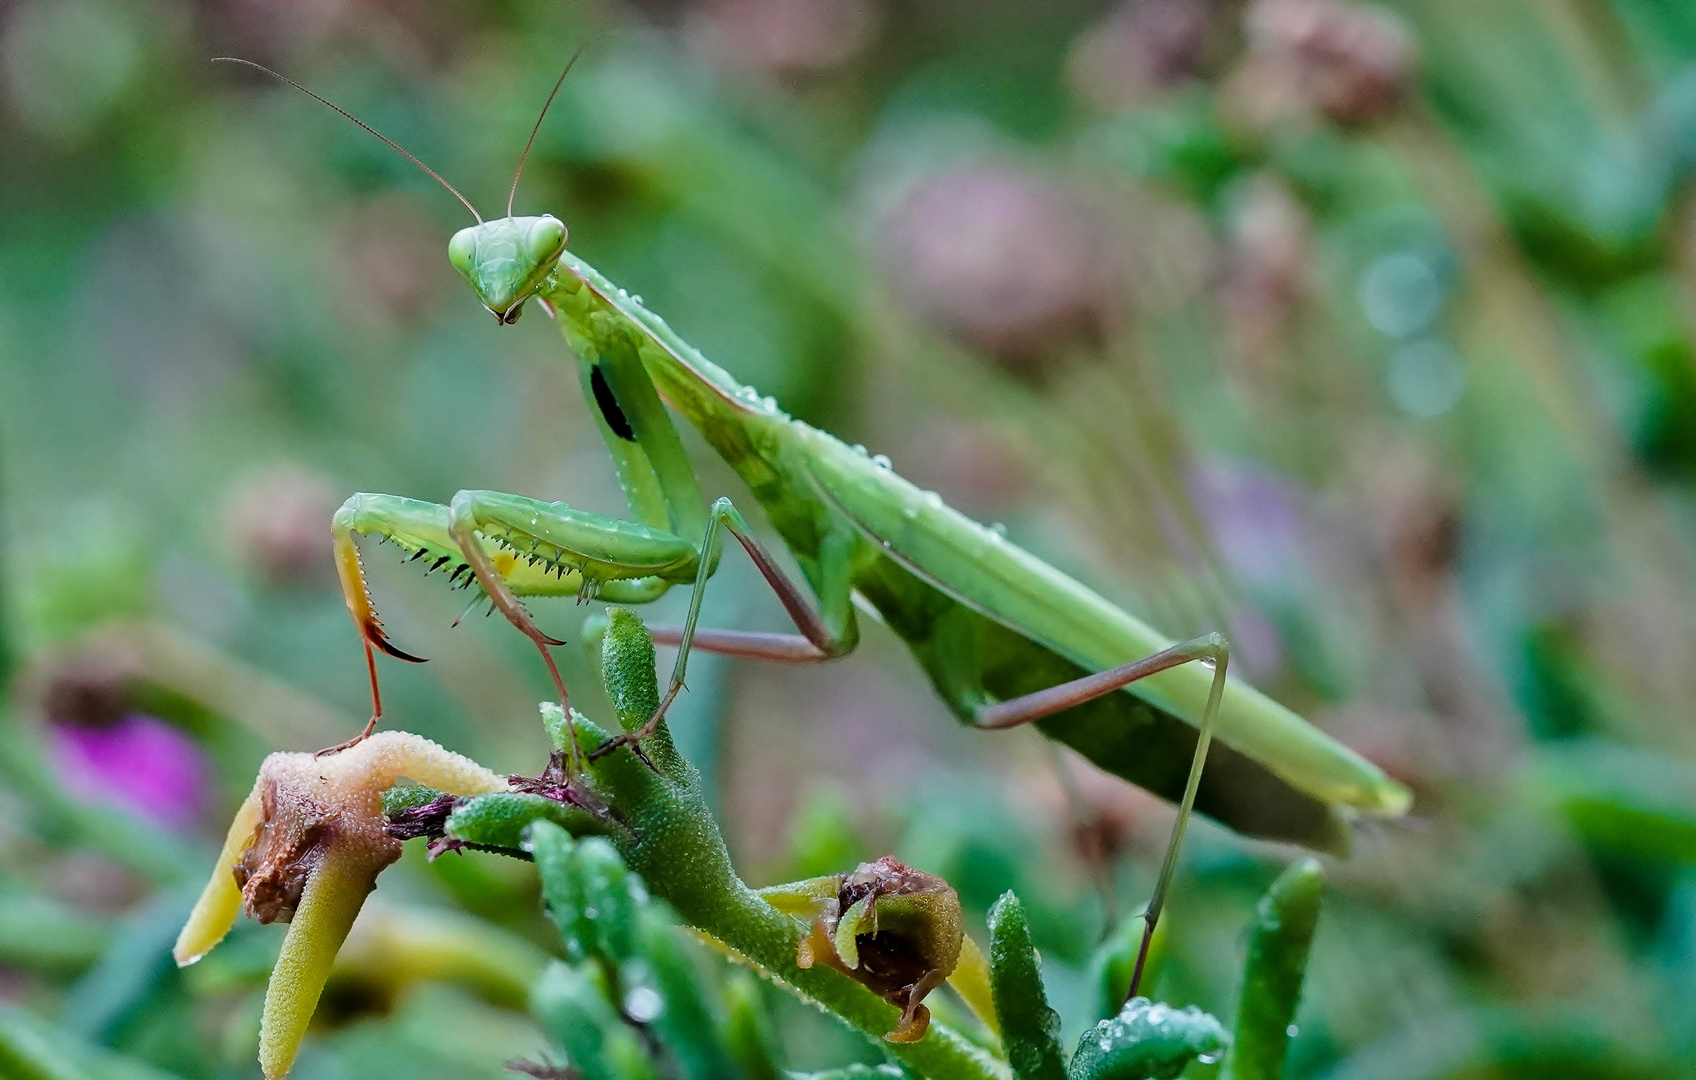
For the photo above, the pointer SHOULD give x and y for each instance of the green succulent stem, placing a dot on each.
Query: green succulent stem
(658, 820)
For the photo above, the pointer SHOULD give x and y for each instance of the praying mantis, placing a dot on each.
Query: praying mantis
(1005, 638)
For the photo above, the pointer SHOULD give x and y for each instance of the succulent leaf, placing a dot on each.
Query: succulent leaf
(1279, 939)
(1147, 1041)
(1030, 1030)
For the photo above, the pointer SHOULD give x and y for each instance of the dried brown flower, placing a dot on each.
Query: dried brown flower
(895, 930)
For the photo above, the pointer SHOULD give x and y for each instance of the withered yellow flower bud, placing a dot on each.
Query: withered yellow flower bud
(306, 848)
(895, 930)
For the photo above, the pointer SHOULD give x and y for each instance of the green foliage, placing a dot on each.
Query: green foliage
(1030, 1030)
(1279, 938)
(404, 797)
(627, 669)
(589, 894)
(1624, 800)
(1147, 1041)
(747, 1029)
(31, 1049)
(573, 1004)
(499, 821)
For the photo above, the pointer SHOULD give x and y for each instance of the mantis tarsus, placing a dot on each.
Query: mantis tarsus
(1005, 638)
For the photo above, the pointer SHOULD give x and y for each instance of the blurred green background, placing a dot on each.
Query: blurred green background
(1361, 333)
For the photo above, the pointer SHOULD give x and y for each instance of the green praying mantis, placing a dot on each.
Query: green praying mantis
(1005, 638)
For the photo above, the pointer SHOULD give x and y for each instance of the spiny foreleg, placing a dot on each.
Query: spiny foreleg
(421, 531)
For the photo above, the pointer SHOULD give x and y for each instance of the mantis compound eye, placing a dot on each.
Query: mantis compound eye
(545, 240)
(462, 249)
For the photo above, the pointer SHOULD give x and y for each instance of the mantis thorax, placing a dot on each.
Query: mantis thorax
(508, 261)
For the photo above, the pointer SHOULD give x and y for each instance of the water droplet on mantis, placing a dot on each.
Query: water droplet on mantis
(881, 461)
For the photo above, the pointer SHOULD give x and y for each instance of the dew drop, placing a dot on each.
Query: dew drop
(881, 461)
(998, 530)
(1208, 1059)
(933, 500)
(643, 1004)
(1292, 1031)
(859, 448)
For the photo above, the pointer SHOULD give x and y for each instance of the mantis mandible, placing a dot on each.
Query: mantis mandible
(1005, 638)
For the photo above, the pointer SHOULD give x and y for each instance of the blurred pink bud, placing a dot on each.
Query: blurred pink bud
(1000, 256)
(279, 523)
(785, 38)
(1266, 259)
(389, 262)
(1141, 45)
(139, 763)
(1253, 516)
(1350, 63)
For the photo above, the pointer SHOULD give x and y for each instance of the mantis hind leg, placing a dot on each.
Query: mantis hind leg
(827, 632)
(1211, 649)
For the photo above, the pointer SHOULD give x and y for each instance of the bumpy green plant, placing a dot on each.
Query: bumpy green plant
(626, 850)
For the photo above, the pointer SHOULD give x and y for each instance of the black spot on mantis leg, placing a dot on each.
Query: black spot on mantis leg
(614, 416)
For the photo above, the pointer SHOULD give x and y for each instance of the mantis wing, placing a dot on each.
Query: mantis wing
(1040, 610)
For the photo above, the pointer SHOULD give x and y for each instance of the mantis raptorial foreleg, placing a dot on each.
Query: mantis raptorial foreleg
(514, 546)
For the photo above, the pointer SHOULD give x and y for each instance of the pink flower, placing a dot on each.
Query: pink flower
(138, 763)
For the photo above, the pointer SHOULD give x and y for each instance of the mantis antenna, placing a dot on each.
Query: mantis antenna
(392, 145)
(512, 193)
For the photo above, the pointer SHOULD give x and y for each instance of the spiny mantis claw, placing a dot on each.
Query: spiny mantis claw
(373, 632)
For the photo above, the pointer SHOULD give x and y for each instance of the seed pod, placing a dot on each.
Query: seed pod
(306, 848)
(895, 930)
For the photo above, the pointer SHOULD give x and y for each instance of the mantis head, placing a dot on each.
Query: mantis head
(508, 261)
